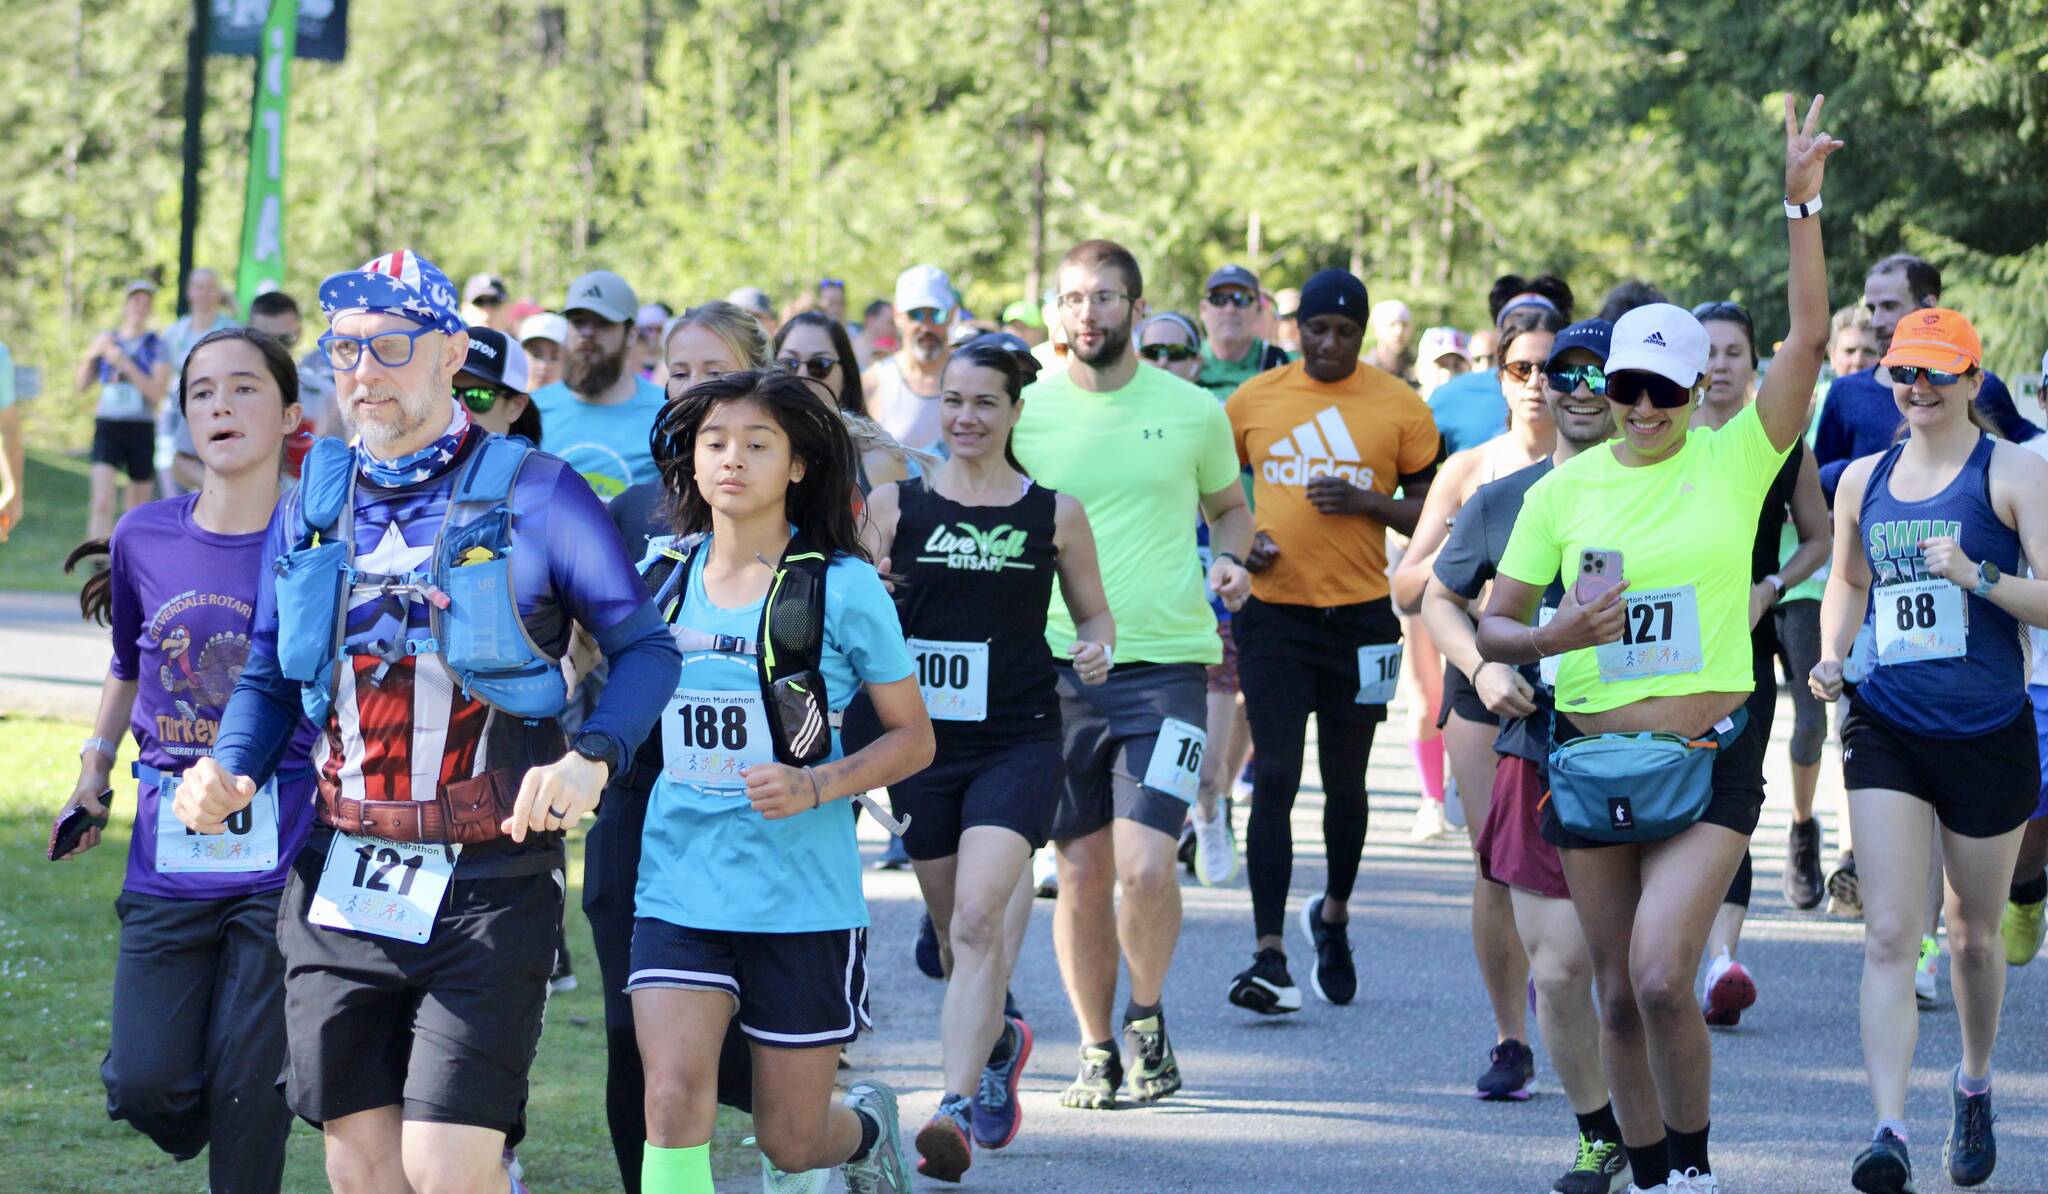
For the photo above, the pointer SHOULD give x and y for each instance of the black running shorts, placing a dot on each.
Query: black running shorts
(791, 990)
(1015, 786)
(1979, 787)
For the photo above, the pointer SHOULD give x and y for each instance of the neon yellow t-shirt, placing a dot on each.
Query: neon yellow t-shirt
(1138, 460)
(1689, 520)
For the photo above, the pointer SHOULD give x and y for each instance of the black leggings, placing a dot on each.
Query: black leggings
(1294, 661)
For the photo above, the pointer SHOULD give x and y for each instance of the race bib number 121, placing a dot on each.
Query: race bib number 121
(385, 888)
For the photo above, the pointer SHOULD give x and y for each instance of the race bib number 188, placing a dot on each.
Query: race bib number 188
(1176, 766)
(385, 888)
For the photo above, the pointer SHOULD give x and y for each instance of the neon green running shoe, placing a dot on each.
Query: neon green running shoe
(2023, 927)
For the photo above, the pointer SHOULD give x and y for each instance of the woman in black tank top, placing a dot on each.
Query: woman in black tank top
(973, 549)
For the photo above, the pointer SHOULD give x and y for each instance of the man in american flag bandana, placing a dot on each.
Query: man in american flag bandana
(417, 968)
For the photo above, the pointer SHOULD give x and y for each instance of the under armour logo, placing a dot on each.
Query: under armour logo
(1656, 338)
(1154, 433)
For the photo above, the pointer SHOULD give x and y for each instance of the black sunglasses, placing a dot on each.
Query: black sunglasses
(818, 368)
(1630, 387)
(1906, 375)
(1568, 379)
(1231, 298)
(1161, 353)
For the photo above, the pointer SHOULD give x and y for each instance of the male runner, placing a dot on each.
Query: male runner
(599, 416)
(903, 388)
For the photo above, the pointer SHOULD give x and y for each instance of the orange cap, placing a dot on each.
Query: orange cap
(1935, 338)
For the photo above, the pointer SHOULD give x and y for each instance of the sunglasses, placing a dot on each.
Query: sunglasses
(479, 398)
(818, 368)
(1906, 375)
(1231, 298)
(1520, 370)
(1162, 353)
(927, 315)
(1568, 379)
(1631, 387)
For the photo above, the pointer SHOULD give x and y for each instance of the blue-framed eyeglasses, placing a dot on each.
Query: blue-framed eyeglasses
(392, 349)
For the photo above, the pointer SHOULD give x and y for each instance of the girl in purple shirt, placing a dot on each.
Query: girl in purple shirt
(198, 1020)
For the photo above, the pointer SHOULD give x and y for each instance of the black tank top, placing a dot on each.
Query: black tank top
(976, 575)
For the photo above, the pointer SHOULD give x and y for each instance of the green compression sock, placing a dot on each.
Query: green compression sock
(676, 1170)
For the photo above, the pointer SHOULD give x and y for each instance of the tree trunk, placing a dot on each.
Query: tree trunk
(1034, 277)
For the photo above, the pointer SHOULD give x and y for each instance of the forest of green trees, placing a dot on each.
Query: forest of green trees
(697, 146)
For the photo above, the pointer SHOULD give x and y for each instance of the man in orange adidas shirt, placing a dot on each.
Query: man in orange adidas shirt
(1329, 441)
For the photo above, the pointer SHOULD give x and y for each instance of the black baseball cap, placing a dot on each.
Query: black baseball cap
(1232, 275)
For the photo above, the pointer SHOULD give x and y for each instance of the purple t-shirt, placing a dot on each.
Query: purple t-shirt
(184, 598)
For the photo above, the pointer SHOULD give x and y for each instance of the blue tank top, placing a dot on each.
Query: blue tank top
(1986, 687)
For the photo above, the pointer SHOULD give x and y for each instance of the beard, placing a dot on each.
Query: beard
(927, 345)
(1114, 341)
(591, 374)
(416, 409)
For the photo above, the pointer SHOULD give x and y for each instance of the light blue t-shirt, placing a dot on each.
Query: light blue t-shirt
(7, 394)
(606, 444)
(1469, 409)
(708, 860)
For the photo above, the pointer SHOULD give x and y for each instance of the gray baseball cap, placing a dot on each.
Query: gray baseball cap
(604, 294)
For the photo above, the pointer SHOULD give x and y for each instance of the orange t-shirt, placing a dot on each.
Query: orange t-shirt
(1370, 429)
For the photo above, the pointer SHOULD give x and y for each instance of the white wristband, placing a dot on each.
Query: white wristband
(1799, 211)
(1108, 655)
(1775, 581)
(100, 746)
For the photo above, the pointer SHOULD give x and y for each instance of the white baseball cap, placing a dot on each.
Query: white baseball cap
(1660, 339)
(545, 326)
(925, 286)
(1443, 342)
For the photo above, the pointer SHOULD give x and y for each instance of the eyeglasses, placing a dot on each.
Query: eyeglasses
(1231, 298)
(1162, 353)
(479, 398)
(1568, 379)
(1631, 387)
(1074, 300)
(1519, 370)
(393, 350)
(926, 315)
(818, 367)
(1906, 375)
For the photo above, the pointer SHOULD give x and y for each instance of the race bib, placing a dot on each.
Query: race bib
(384, 888)
(1927, 619)
(1660, 636)
(953, 678)
(1379, 673)
(707, 736)
(1546, 667)
(1176, 766)
(250, 843)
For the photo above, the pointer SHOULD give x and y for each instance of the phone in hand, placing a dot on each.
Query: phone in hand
(1599, 574)
(71, 826)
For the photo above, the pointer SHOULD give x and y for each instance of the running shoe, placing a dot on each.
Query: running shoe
(1333, 977)
(2023, 926)
(884, 1170)
(1729, 991)
(1266, 987)
(1844, 898)
(1883, 1168)
(1428, 825)
(1803, 883)
(1155, 1073)
(1454, 805)
(1094, 1088)
(1659, 1188)
(928, 959)
(997, 1112)
(1692, 1181)
(803, 1181)
(1512, 1074)
(894, 856)
(945, 1145)
(1927, 975)
(1971, 1150)
(1601, 1167)
(515, 1174)
(1045, 873)
(1215, 853)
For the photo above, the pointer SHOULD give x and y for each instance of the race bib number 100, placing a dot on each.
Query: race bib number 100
(953, 678)
(1926, 619)
(1660, 636)
(385, 888)
(1379, 673)
(1176, 766)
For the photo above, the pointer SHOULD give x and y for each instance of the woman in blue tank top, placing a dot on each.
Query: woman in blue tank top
(1929, 541)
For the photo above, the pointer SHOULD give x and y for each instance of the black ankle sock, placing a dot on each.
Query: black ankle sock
(1650, 1163)
(1688, 1149)
(1110, 1047)
(2032, 891)
(1001, 1053)
(1138, 1011)
(1601, 1125)
(870, 1131)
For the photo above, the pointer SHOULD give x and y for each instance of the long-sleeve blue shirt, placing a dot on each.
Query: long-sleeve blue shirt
(1860, 418)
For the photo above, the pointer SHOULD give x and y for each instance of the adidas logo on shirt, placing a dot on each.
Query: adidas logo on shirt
(1322, 446)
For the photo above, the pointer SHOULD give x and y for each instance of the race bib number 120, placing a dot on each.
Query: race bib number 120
(1176, 766)
(385, 888)
(249, 845)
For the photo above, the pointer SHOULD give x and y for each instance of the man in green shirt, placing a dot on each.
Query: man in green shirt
(1232, 354)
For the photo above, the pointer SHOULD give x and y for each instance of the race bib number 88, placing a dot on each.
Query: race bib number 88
(1926, 619)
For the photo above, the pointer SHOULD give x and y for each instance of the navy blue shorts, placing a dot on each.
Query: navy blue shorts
(791, 990)
(1015, 786)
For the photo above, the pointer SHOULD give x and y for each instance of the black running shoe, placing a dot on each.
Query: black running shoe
(1971, 1150)
(1266, 987)
(1186, 850)
(1599, 1167)
(1804, 885)
(1512, 1076)
(1154, 1071)
(1883, 1168)
(928, 959)
(1333, 976)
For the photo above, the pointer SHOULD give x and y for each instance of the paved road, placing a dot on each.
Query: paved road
(1376, 1095)
(51, 660)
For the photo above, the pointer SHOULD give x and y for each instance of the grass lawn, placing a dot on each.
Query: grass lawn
(57, 947)
(55, 495)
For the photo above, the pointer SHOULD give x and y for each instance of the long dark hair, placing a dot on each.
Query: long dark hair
(96, 595)
(275, 358)
(985, 352)
(821, 505)
(851, 396)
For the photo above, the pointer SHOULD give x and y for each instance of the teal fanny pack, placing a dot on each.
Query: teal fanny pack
(1640, 787)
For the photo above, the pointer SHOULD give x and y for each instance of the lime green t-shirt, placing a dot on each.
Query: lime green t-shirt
(1138, 460)
(1689, 520)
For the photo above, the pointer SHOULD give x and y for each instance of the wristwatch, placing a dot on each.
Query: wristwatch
(1987, 579)
(1799, 211)
(598, 748)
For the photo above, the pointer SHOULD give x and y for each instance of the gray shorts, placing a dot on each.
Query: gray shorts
(1107, 734)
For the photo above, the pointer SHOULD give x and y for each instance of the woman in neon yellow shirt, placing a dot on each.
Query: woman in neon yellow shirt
(1665, 651)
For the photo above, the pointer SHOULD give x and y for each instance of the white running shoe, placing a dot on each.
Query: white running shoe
(1454, 805)
(775, 1181)
(1692, 1181)
(1045, 873)
(1428, 825)
(1215, 848)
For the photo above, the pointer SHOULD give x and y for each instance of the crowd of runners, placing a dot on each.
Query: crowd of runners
(1043, 586)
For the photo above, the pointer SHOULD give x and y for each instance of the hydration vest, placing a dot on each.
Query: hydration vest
(473, 613)
(787, 647)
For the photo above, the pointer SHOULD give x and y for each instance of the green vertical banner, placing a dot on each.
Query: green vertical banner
(262, 264)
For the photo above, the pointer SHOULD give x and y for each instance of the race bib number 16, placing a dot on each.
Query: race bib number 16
(1176, 766)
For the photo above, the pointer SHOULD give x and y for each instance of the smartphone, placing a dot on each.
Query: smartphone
(1599, 574)
(71, 826)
